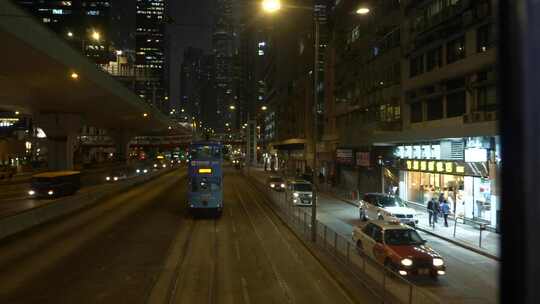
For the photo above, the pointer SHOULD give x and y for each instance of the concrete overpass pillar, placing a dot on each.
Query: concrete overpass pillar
(121, 139)
(61, 131)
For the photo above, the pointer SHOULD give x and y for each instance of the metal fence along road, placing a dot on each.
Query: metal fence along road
(389, 286)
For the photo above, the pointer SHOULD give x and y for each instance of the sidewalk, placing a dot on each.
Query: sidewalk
(464, 235)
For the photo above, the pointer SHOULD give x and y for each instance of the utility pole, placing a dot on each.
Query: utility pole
(315, 130)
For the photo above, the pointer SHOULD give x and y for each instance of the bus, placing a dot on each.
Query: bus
(55, 184)
(205, 177)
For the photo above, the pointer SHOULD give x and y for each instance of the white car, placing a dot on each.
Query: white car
(380, 206)
(300, 192)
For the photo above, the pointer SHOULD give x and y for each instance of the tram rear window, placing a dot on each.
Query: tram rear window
(205, 152)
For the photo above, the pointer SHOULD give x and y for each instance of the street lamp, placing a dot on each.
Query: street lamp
(264, 108)
(70, 34)
(96, 35)
(271, 6)
(232, 107)
(74, 76)
(363, 10)
(145, 115)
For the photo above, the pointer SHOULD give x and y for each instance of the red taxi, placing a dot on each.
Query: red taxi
(399, 247)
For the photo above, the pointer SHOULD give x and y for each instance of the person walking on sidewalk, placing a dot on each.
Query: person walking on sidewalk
(433, 211)
(445, 209)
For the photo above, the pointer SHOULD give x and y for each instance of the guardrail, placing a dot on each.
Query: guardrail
(389, 286)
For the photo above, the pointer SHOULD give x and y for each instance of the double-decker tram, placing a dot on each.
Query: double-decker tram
(205, 177)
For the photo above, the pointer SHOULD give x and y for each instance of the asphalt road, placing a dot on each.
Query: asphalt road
(143, 247)
(14, 197)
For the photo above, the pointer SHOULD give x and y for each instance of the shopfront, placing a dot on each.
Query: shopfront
(467, 186)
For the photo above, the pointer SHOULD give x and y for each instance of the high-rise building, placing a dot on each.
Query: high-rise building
(150, 51)
(190, 78)
(222, 44)
(207, 90)
(84, 23)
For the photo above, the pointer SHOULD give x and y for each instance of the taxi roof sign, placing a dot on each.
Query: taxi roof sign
(205, 170)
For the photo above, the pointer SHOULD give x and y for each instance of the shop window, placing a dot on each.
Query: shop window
(416, 112)
(455, 50)
(485, 38)
(455, 104)
(487, 99)
(434, 109)
(434, 59)
(417, 65)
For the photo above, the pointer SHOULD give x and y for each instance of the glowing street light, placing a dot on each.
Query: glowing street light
(232, 107)
(119, 52)
(74, 76)
(271, 6)
(96, 36)
(264, 108)
(363, 10)
(145, 115)
(70, 34)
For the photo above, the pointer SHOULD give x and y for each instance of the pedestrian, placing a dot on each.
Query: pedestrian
(445, 209)
(436, 211)
(433, 211)
(430, 207)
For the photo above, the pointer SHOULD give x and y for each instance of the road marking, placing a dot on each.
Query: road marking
(245, 293)
(237, 247)
(213, 276)
(286, 242)
(234, 227)
(286, 291)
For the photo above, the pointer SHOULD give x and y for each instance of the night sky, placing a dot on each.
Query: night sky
(192, 26)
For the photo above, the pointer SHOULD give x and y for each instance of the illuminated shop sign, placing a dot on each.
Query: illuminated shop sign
(8, 122)
(446, 167)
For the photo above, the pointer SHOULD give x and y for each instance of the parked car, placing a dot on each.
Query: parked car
(276, 183)
(398, 247)
(380, 206)
(299, 192)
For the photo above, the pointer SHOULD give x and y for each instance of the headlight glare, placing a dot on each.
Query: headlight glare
(295, 194)
(406, 262)
(31, 192)
(437, 262)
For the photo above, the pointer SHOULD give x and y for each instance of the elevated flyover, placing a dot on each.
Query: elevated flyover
(43, 76)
